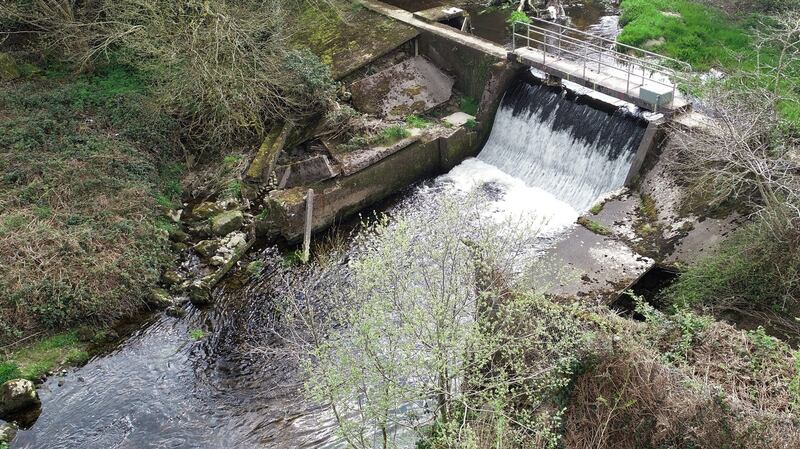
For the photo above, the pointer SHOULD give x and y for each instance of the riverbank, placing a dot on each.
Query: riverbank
(741, 46)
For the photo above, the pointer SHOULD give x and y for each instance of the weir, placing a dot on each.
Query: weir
(570, 149)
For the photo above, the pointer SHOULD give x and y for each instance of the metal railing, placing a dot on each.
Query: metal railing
(589, 50)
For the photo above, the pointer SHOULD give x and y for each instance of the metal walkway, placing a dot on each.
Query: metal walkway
(637, 76)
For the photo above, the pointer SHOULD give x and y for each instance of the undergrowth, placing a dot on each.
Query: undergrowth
(84, 163)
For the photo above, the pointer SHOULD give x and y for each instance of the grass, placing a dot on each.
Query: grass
(648, 207)
(197, 334)
(698, 34)
(415, 121)
(35, 360)
(706, 37)
(751, 266)
(83, 166)
(597, 208)
(471, 123)
(594, 226)
(394, 134)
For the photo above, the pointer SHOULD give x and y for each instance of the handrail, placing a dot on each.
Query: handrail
(620, 56)
(615, 43)
(593, 54)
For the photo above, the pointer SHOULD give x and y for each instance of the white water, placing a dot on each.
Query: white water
(530, 143)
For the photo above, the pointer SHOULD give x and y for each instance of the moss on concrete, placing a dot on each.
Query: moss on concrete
(346, 40)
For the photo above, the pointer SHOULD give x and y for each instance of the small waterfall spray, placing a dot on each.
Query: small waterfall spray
(571, 150)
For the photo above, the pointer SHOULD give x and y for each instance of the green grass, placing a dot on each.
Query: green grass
(197, 334)
(471, 123)
(35, 360)
(84, 162)
(692, 32)
(393, 134)
(594, 226)
(415, 121)
(597, 208)
(752, 267)
(705, 37)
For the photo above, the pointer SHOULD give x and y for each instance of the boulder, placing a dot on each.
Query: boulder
(7, 432)
(16, 396)
(227, 222)
(206, 210)
(170, 278)
(178, 235)
(207, 248)
(8, 68)
(159, 298)
(199, 294)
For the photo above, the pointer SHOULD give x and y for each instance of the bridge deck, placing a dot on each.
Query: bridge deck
(601, 81)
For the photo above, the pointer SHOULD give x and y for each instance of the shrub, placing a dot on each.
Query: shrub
(518, 16)
(222, 68)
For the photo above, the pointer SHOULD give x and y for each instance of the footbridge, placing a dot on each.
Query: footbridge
(626, 73)
(631, 74)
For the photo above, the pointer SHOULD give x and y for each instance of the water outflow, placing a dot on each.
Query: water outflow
(571, 150)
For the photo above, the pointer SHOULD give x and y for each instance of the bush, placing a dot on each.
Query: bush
(752, 271)
(222, 68)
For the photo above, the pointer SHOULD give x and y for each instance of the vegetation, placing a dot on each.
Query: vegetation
(597, 208)
(518, 16)
(451, 321)
(197, 334)
(125, 96)
(469, 106)
(747, 157)
(414, 121)
(35, 360)
(78, 226)
(755, 50)
(222, 69)
(594, 226)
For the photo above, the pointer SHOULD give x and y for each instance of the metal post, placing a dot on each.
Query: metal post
(514, 36)
(307, 234)
(628, 84)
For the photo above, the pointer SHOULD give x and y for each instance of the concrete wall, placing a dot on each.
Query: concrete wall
(477, 74)
(340, 197)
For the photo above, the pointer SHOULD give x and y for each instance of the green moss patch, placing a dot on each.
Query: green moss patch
(346, 39)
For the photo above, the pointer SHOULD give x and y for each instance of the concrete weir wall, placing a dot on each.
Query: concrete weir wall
(340, 197)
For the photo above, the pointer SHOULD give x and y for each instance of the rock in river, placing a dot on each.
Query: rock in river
(7, 432)
(227, 222)
(199, 294)
(16, 396)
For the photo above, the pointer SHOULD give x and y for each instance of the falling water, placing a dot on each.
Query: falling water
(571, 150)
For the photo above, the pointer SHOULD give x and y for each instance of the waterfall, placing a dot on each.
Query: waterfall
(571, 150)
